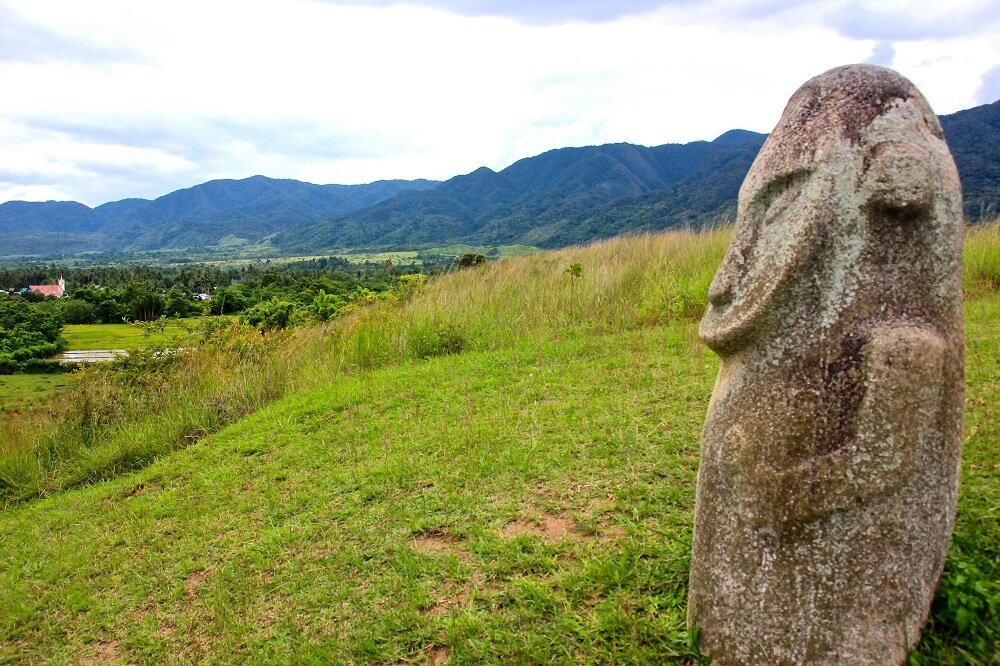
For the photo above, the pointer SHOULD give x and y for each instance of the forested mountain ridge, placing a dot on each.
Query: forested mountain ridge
(561, 197)
(974, 138)
(575, 195)
(246, 210)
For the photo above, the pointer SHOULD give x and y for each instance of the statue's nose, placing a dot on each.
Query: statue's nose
(720, 292)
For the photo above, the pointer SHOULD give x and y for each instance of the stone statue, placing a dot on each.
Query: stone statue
(830, 455)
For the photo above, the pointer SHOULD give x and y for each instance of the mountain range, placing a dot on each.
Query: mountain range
(558, 198)
(216, 213)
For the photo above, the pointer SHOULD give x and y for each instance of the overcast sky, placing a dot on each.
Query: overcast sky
(108, 99)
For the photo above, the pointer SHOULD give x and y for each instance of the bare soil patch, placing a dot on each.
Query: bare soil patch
(453, 600)
(194, 582)
(611, 533)
(438, 542)
(105, 652)
(544, 525)
(439, 654)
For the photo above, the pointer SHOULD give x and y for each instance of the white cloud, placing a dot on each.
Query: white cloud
(883, 54)
(989, 89)
(137, 99)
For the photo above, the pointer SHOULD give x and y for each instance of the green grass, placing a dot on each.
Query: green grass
(18, 392)
(527, 500)
(233, 241)
(34, 391)
(400, 257)
(373, 520)
(116, 336)
(365, 521)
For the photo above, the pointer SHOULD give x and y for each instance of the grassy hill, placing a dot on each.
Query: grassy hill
(496, 467)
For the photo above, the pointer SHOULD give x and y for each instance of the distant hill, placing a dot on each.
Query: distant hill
(246, 210)
(47, 228)
(561, 197)
(575, 195)
(974, 138)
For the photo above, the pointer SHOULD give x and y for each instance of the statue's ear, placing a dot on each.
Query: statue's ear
(897, 179)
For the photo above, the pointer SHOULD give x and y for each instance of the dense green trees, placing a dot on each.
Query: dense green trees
(263, 295)
(27, 332)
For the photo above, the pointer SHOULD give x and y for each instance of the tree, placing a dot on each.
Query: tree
(470, 259)
(105, 301)
(325, 306)
(575, 273)
(27, 333)
(178, 303)
(141, 302)
(228, 300)
(269, 315)
(77, 311)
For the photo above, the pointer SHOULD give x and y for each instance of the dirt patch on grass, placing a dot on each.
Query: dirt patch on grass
(435, 655)
(438, 542)
(600, 505)
(166, 631)
(105, 652)
(553, 527)
(452, 601)
(141, 488)
(519, 527)
(611, 533)
(545, 525)
(451, 596)
(193, 582)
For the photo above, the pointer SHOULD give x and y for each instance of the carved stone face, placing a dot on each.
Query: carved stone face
(839, 162)
(774, 237)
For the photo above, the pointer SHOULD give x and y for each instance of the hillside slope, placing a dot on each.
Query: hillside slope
(502, 507)
(526, 500)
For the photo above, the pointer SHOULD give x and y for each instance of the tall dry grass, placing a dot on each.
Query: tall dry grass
(121, 416)
(623, 283)
(982, 259)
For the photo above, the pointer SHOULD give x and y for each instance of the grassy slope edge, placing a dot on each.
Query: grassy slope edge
(527, 500)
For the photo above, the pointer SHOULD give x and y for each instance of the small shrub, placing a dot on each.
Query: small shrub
(965, 615)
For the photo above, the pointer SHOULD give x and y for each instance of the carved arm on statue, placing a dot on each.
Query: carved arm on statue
(904, 371)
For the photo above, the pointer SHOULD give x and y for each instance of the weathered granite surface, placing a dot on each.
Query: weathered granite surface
(830, 454)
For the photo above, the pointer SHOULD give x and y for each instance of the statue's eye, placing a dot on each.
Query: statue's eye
(778, 194)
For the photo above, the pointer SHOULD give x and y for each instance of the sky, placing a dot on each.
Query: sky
(109, 99)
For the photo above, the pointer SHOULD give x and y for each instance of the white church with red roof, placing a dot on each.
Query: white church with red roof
(57, 290)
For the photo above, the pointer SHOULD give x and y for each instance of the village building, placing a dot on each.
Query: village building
(55, 290)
